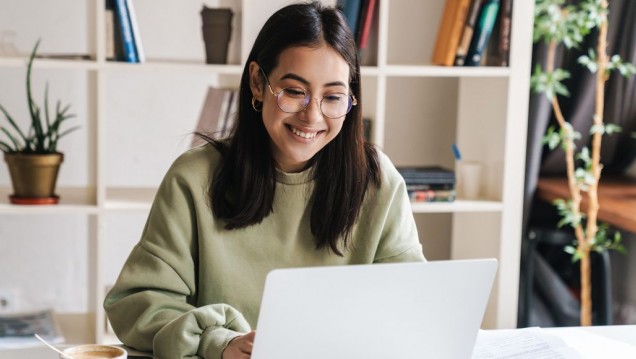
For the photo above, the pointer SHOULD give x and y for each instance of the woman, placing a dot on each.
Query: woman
(295, 185)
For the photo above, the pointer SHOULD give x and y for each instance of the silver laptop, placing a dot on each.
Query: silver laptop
(404, 310)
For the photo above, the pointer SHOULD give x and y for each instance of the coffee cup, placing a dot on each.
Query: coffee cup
(95, 351)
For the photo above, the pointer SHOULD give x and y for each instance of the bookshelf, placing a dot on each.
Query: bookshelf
(136, 118)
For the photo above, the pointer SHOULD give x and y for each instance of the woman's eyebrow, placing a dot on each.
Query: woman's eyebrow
(306, 83)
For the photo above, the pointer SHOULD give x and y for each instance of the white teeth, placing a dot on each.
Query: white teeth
(303, 134)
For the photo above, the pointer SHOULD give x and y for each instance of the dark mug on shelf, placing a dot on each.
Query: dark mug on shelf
(217, 30)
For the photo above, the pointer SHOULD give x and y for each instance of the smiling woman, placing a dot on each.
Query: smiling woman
(294, 185)
(298, 126)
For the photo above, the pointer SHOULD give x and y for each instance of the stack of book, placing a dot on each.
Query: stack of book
(465, 34)
(123, 41)
(429, 183)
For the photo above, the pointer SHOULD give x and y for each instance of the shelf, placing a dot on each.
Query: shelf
(168, 65)
(41, 63)
(72, 200)
(126, 199)
(159, 65)
(446, 71)
(418, 110)
(457, 206)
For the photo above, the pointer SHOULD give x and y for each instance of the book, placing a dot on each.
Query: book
(230, 115)
(467, 32)
(113, 33)
(367, 126)
(499, 52)
(17, 329)
(130, 55)
(430, 186)
(450, 31)
(432, 195)
(221, 123)
(427, 175)
(365, 23)
(351, 11)
(210, 113)
(368, 54)
(109, 32)
(483, 30)
(141, 57)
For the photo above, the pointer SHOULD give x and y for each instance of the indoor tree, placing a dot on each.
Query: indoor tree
(561, 24)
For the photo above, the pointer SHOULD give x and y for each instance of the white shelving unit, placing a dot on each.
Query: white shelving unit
(418, 111)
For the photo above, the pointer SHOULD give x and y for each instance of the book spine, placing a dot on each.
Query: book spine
(109, 31)
(467, 33)
(487, 19)
(225, 108)
(366, 25)
(432, 196)
(450, 30)
(126, 31)
(351, 11)
(429, 187)
(135, 31)
(231, 114)
(504, 34)
(367, 124)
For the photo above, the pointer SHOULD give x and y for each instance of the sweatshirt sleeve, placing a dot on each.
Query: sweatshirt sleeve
(399, 240)
(152, 305)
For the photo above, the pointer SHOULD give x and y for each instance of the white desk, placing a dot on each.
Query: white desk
(622, 333)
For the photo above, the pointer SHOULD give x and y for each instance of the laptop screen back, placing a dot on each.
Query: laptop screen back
(402, 310)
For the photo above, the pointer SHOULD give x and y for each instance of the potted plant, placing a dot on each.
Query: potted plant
(32, 156)
(559, 23)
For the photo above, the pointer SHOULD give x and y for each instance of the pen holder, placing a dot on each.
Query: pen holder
(469, 179)
(217, 30)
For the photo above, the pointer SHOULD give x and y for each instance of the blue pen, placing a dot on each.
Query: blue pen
(456, 153)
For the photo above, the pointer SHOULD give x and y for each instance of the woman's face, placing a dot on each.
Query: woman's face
(297, 137)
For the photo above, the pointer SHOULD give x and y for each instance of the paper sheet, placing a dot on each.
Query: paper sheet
(537, 343)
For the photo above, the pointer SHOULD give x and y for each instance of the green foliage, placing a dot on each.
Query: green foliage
(566, 24)
(615, 63)
(584, 176)
(549, 83)
(605, 128)
(553, 137)
(568, 217)
(45, 130)
(604, 240)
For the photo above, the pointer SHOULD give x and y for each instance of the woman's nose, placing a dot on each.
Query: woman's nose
(312, 113)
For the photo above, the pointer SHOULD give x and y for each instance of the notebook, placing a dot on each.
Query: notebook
(401, 310)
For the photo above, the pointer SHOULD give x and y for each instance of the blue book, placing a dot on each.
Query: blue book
(127, 38)
(485, 25)
(351, 11)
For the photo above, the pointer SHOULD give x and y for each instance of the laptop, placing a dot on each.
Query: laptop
(401, 310)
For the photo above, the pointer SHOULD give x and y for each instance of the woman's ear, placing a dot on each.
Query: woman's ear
(256, 81)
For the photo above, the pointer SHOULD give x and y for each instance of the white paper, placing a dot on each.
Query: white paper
(537, 343)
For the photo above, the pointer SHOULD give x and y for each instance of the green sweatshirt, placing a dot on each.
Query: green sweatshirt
(190, 286)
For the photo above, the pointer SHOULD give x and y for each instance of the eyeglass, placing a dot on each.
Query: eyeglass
(296, 99)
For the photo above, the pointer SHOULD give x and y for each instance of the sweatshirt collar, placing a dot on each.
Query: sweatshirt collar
(295, 178)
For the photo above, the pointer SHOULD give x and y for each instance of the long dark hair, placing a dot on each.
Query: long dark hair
(243, 186)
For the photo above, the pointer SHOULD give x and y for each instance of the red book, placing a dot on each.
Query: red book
(366, 25)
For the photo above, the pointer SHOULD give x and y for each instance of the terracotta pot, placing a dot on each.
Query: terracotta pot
(33, 176)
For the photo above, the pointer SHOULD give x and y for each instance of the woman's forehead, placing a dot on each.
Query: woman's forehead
(318, 65)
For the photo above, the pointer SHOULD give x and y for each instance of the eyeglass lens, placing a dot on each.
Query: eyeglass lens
(292, 100)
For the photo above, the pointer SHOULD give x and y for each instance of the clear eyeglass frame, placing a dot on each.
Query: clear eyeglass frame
(299, 99)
